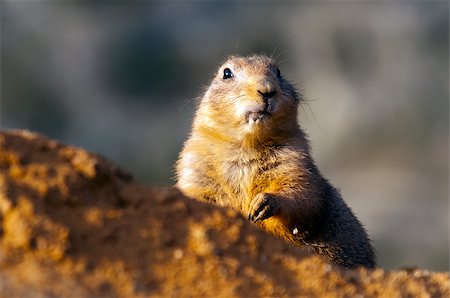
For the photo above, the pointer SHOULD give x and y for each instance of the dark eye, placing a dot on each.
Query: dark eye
(278, 72)
(227, 73)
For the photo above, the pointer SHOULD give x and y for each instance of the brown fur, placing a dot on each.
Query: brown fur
(265, 169)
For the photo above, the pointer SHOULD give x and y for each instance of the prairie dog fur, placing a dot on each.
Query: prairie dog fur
(246, 150)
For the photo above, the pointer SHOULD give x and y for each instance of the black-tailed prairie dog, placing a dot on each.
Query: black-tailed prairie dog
(246, 150)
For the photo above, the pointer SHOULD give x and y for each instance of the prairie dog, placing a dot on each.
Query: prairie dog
(246, 150)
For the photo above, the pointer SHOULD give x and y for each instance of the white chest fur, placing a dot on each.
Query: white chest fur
(238, 176)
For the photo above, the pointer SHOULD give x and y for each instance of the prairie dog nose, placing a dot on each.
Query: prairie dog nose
(268, 94)
(267, 90)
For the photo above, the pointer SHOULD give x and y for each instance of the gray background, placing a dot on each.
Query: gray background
(121, 79)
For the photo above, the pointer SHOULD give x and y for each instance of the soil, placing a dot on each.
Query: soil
(75, 225)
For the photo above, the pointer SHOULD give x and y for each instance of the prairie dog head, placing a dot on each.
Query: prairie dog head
(249, 97)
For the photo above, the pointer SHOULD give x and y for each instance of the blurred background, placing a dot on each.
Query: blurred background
(121, 80)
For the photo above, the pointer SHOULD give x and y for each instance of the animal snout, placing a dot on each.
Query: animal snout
(254, 115)
(256, 112)
(266, 94)
(266, 89)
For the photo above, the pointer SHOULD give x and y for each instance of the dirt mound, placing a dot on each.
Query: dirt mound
(75, 225)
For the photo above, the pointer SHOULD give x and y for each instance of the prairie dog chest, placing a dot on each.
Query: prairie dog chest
(244, 176)
(238, 176)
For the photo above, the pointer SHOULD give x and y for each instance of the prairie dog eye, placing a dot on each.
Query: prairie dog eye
(278, 72)
(227, 73)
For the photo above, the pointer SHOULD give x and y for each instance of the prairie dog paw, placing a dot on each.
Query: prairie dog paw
(262, 207)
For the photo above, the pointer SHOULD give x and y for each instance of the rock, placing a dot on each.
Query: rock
(75, 225)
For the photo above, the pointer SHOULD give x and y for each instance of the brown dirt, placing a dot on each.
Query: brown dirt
(75, 225)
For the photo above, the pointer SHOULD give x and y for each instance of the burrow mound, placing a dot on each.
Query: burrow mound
(75, 225)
